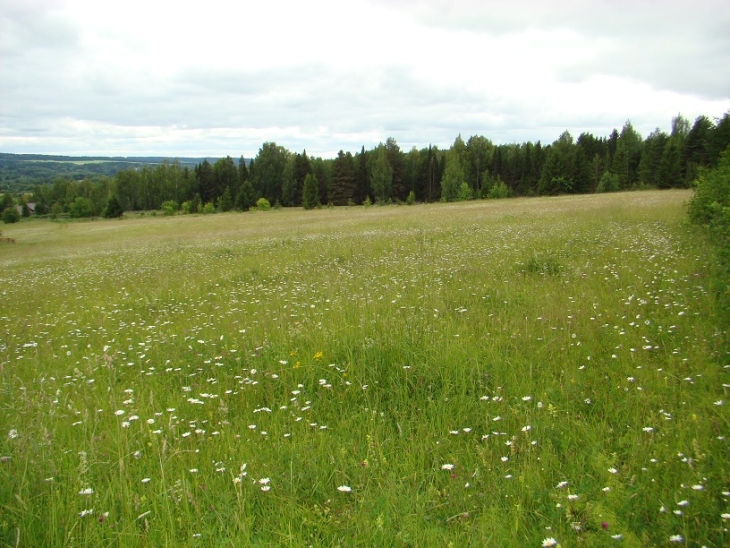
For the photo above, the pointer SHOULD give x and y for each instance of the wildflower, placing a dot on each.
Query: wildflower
(86, 512)
(265, 488)
(193, 470)
(725, 516)
(683, 503)
(119, 412)
(613, 470)
(318, 355)
(561, 485)
(719, 402)
(86, 492)
(698, 487)
(676, 538)
(648, 429)
(572, 497)
(344, 489)
(447, 467)
(13, 434)
(146, 480)
(264, 481)
(550, 541)
(145, 514)
(526, 398)
(617, 537)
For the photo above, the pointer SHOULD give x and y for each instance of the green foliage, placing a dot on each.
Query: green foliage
(246, 197)
(113, 208)
(310, 192)
(196, 204)
(381, 175)
(465, 192)
(169, 207)
(262, 204)
(10, 215)
(609, 182)
(80, 208)
(225, 202)
(453, 178)
(498, 190)
(6, 202)
(411, 198)
(712, 194)
(208, 209)
(367, 202)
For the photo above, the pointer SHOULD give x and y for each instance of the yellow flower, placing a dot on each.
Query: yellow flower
(296, 365)
(318, 355)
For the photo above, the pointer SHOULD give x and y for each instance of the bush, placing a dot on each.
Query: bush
(465, 193)
(367, 202)
(411, 198)
(712, 193)
(208, 208)
(10, 215)
(499, 190)
(80, 208)
(114, 208)
(262, 204)
(608, 183)
(169, 207)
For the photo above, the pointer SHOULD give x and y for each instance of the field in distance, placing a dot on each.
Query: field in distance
(512, 373)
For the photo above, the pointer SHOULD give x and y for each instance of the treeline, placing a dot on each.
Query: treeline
(475, 168)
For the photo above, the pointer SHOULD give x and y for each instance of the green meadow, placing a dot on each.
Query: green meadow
(523, 372)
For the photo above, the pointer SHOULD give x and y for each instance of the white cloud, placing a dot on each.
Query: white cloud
(81, 76)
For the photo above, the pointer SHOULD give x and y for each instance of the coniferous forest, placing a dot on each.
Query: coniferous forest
(469, 169)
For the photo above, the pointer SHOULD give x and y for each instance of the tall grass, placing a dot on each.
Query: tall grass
(499, 373)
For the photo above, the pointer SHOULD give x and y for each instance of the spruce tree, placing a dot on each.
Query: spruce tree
(310, 193)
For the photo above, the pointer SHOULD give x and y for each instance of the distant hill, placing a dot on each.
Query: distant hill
(21, 172)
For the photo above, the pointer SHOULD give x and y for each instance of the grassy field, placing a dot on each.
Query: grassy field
(506, 373)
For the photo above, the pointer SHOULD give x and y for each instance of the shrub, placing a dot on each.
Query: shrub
(608, 183)
(10, 215)
(499, 190)
(169, 207)
(367, 202)
(465, 192)
(262, 204)
(208, 208)
(411, 198)
(114, 208)
(80, 208)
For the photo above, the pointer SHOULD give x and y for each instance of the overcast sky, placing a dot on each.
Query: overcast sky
(216, 78)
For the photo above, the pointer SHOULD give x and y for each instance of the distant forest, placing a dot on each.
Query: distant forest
(471, 169)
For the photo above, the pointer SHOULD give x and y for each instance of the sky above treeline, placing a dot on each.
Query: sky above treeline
(216, 78)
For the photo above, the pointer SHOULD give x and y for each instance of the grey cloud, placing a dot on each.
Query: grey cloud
(671, 45)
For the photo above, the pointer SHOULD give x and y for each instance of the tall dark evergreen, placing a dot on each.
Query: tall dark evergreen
(343, 179)
(206, 182)
(399, 190)
(300, 172)
(361, 177)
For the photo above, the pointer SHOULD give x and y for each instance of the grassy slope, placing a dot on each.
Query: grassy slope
(525, 342)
